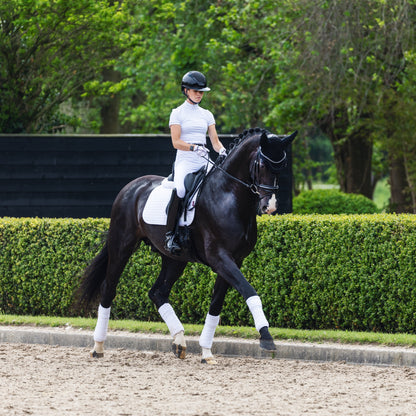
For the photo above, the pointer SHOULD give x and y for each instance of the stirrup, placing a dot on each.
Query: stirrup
(171, 244)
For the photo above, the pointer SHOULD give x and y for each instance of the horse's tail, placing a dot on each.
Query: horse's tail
(93, 278)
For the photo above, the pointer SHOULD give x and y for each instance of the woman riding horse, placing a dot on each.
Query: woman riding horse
(189, 124)
(240, 188)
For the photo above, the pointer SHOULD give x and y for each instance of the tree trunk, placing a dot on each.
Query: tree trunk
(353, 160)
(400, 201)
(110, 107)
(353, 154)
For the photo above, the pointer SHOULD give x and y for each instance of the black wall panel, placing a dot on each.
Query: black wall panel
(79, 176)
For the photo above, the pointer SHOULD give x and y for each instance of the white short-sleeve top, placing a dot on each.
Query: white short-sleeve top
(194, 122)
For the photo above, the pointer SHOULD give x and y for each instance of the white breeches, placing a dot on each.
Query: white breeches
(186, 162)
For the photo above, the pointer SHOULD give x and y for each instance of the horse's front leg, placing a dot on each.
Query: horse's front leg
(159, 294)
(212, 320)
(229, 270)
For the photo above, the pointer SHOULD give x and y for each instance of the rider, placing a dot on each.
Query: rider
(189, 124)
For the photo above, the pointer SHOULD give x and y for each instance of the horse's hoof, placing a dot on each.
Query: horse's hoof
(95, 354)
(179, 351)
(209, 361)
(267, 344)
(266, 340)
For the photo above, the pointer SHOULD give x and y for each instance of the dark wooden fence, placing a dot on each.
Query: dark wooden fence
(79, 176)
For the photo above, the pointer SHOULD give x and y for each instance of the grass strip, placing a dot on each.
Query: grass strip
(317, 336)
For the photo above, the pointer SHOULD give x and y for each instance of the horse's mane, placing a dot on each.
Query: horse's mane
(234, 145)
(242, 137)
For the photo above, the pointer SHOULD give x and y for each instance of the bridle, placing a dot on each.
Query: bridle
(255, 186)
(274, 166)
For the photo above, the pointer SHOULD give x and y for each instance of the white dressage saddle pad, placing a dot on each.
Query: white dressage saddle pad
(155, 209)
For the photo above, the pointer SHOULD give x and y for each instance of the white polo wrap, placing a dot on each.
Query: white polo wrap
(172, 321)
(100, 333)
(256, 309)
(207, 334)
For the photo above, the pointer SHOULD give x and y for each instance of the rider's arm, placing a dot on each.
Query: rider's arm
(177, 142)
(215, 141)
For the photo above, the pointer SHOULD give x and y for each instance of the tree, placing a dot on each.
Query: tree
(349, 56)
(48, 50)
(229, 41)
(168, 38)
(347, 68)
(398, 137)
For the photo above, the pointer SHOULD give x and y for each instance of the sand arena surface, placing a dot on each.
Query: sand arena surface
(47, 380)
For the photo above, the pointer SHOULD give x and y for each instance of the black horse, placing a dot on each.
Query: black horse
(222, 234)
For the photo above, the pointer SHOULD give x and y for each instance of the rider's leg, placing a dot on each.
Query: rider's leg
(175, 211)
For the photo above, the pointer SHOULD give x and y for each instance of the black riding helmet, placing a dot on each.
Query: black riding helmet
(194, 80)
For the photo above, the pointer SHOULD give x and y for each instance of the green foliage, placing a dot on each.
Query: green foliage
(332, 201)
(343, 272)
(48, 50)
(344, 68)
(350, 272)
(40, 259)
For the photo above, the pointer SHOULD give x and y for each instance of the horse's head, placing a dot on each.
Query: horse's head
(271, 158)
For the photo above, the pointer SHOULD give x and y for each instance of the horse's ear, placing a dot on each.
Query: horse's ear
(264, 139)
(289, 139)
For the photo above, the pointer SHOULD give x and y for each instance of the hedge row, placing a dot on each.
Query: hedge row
(332, 201)
(352, 272)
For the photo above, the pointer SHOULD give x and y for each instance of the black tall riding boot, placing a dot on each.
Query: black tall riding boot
(172, 224)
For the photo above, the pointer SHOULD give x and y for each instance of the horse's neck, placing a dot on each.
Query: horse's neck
(239, 161)
(230, 189)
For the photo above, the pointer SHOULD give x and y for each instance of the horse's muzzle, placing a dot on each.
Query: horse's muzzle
(267, 205)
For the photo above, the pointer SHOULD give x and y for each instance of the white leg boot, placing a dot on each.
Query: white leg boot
(100, 333)
(207, 337)
(176, 330)
(261, 323)
(256, 309)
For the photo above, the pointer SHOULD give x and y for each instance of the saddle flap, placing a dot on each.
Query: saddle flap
(192, 185)
(192, 180)
(154, 211)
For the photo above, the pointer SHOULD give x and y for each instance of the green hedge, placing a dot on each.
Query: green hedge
(351, 272)
(332, 201)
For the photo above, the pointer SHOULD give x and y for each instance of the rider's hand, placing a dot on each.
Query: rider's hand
(201, 151)
(222, 154)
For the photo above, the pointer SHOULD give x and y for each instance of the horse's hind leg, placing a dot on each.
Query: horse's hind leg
(120, 249)
(159, 294)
